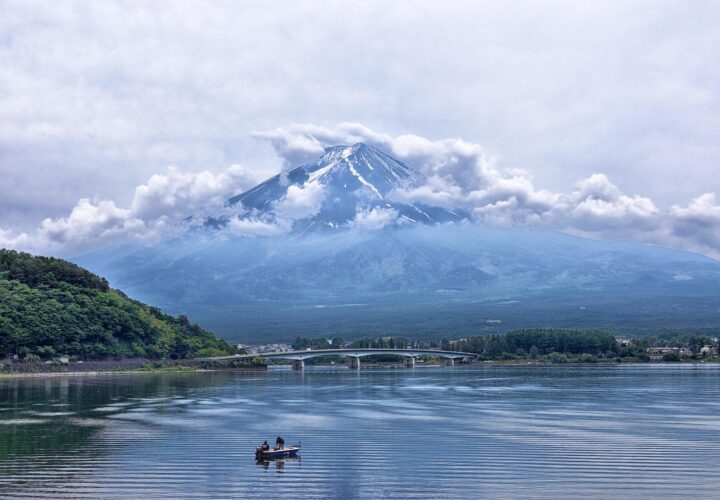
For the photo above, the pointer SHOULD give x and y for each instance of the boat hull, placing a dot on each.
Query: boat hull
(289, 452)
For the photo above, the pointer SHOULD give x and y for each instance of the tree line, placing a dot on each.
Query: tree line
(549, 344)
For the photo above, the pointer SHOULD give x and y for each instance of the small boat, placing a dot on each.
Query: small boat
(275, 453)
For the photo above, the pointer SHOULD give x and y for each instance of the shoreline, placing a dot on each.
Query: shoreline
(97, 373)
(498, 363)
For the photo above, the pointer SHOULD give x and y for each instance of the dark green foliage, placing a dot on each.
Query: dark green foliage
(540, 342)
(50, 307)
(671, 356)
(48, 271)
(382, 343)
(302, 343)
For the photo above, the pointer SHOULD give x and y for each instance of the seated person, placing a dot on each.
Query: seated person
(265, 446)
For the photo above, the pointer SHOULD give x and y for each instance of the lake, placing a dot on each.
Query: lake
(641, 431)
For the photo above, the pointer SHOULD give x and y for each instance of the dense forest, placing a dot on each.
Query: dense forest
(540, 341)
(50, 307)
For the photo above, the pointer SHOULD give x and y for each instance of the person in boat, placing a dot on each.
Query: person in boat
(265, 446)
(280, 443)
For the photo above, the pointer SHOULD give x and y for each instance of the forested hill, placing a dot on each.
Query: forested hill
(50, 307)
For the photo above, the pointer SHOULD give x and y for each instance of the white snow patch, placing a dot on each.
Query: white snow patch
(320, 172)
(363, 181)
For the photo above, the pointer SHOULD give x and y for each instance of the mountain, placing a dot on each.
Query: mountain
(432, 274)
(417, 280)
(50, 307)
(352, 179)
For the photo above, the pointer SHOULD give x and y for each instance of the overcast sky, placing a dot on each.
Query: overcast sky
(96, 97)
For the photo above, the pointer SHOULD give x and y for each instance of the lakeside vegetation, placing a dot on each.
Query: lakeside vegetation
(546, 345)
(50, 308)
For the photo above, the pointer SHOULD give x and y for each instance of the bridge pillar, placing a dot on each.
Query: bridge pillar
(449, 362)
(298, 364)
(353, 363)
(409, 362)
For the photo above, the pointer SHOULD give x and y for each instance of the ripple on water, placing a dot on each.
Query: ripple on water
(51, 413)
(436, 433)
(22, 421)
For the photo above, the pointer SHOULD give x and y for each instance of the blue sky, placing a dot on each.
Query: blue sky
(597, 118)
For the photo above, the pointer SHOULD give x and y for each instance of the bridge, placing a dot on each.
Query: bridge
(353, 355)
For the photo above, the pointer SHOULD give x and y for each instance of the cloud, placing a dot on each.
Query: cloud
(303, 142)
(599, 206)
(699, 222)
(163, 206)
(455, 174)
(254, 227)
(90, 221)
(177, 194)
(461, 174)
(9, 239)
(301, 202)
(374, 219)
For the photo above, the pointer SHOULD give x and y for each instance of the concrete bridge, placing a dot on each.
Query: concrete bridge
(353, 355)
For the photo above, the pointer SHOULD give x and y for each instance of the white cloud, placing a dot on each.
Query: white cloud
(599, 206)
(457, 174)
(90, 221)
(177, 194)
(374, 219)
(699, 222)
(254, 227)
(461, 174)
(9, 239)
(158, 208)
(301, 202)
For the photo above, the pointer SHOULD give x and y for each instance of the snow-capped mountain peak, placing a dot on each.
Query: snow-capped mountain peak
(361, 166)
(353, 179)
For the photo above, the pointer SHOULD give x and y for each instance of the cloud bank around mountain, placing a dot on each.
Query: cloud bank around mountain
(459, 174)
(463, 174)
(167, 204)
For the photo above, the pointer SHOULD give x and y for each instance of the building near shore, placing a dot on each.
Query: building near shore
(657, 353)
(264, 348)
(708, 351)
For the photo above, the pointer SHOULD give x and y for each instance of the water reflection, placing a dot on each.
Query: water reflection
(278, 465)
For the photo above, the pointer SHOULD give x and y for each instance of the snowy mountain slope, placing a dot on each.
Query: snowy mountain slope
(353, 179)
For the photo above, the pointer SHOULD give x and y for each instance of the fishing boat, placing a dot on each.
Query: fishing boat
(275, 453)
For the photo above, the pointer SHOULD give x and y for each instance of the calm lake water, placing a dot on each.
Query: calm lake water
(429, 432)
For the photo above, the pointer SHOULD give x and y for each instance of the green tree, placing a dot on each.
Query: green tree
(533, 352)
(671, 356)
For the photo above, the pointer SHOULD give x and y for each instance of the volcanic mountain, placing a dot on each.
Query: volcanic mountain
(431, 272)
(352, 179)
